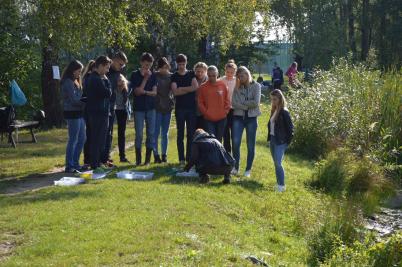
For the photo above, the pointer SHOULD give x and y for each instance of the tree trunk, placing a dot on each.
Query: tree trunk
(203, 48)
(365, 30)
(50, 88)
(351, 22)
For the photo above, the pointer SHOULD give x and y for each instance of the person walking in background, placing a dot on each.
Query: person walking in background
(200, 71)
(144, 85)
(74, 114)
(184, 87)
(231, 82)
(280, 134)
(164, 106)
(209, 157)
(121, 111)
(292, 75)
(277, 76)
(87, 71)
(214, 103)
(99, 91)
(246, 105)
(119, 61)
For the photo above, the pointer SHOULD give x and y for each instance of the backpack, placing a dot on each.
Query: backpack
(7, 117)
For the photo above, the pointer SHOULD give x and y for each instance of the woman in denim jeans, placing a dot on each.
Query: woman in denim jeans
(280, 133)
(164, 103)
(246, 109)
(73, 113)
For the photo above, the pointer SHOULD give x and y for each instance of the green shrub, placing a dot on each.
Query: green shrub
(331, 173)
(352, 105)
(339, 231)
(369, 253)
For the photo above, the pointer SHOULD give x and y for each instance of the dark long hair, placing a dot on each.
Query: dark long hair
(68, 72)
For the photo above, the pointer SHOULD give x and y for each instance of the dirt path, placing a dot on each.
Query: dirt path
(11, 186)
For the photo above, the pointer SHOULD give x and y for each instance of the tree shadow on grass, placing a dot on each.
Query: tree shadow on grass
(216, 181)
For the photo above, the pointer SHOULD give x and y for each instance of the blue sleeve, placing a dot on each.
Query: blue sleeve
(153, 81)
(69, 96)
(135, 80)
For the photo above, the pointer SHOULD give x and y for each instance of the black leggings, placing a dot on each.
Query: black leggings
(121, 116)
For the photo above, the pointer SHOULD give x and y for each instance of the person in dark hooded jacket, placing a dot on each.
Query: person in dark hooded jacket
(209, 157)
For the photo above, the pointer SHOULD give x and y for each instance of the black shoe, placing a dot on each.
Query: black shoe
(70, 171)
(138, 156)
(204, 179)
(125, 160)
(84, 168)
(226, 180)
(148, 156)
(157, 159)
(164, 158)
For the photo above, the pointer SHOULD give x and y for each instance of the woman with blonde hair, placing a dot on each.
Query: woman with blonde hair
(121, 110)
(246, 109)
(230, 80)
(280, 133)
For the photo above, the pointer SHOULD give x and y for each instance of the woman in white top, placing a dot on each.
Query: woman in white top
(231, 82)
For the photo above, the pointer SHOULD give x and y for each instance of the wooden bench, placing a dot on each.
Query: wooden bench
(8, 125)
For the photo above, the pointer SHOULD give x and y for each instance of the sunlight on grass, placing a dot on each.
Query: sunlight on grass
(167, 221)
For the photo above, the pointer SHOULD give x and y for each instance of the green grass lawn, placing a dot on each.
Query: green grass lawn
(168, 221)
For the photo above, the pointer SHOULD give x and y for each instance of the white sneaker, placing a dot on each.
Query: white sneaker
(281, 188)
(247, 174)
(234, 172)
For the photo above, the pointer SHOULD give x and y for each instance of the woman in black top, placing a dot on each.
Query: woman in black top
(98, 92)
(280, 133)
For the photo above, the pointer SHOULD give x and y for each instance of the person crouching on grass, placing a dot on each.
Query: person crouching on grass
(280, 133)
(209, 157)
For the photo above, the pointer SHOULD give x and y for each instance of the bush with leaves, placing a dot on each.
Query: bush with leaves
(352, 105)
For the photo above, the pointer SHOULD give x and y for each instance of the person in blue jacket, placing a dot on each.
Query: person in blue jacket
(73, 111)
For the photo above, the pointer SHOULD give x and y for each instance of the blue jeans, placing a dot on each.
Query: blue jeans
(185, 118)
(149, 118)
(239, 124)
(162, 127)
(216, 128)
(277, 152)
(75, 143)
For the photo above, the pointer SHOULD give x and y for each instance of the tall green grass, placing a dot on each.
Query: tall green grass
(350, 105)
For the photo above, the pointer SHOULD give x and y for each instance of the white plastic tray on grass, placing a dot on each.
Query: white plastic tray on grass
(134, 175)
(69, 181)
(191, 173)
(95, 176)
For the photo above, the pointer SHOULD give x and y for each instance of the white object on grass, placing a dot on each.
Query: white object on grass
(96, 176)
(69, 181)
(134, 175)
(191, 173)
(247, 174)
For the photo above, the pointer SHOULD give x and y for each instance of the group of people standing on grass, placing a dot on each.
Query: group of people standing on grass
(211, 112)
